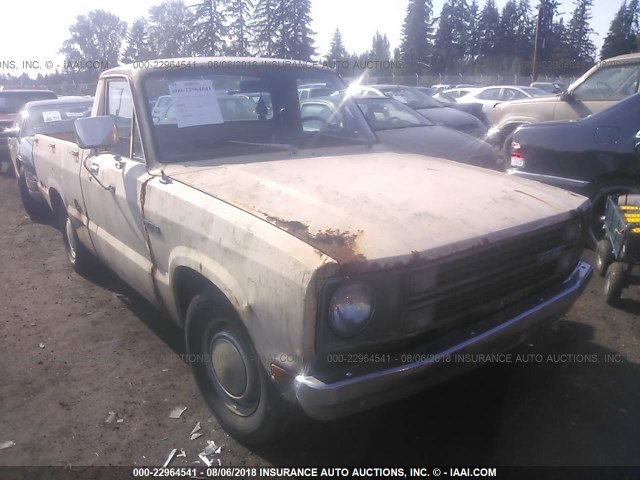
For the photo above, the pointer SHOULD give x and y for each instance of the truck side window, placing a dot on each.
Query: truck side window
(120, 106)
(609, 84)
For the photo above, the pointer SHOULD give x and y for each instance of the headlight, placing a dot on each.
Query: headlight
(350, 309)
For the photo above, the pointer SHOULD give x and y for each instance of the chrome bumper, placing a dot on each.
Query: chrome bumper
(326, 401)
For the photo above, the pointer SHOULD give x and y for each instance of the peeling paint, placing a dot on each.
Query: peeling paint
(341, 246)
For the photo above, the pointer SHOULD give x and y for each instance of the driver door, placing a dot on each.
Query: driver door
(112, 183)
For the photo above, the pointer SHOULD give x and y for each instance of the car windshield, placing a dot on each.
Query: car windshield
(410, 96)
(387, 113)
(12, 102)
(243, 111)
(55, 118)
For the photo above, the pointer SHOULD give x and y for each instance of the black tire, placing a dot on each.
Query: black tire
(36, 210)
(599, 203)
(615, 283)
(80, 259)
(246, 404)
(604, 256)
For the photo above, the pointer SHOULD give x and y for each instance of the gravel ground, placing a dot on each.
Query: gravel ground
(75, 349)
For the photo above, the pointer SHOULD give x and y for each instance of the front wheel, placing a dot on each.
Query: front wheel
(228, 373)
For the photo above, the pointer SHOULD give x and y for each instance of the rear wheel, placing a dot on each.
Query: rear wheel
(604, 252)
(228, 373)
(615, 283)
(80, 259)
(36, 210)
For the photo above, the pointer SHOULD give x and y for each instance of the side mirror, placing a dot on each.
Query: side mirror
(96, 132)
(10, 133)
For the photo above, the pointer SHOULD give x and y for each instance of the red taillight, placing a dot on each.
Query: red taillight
(517, 159)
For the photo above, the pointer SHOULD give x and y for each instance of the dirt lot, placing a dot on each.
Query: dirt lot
(74, 349)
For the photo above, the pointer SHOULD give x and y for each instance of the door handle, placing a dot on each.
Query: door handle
(94, 169)
(52, 146)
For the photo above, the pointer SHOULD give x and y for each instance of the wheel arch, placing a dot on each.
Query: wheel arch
(192, 271)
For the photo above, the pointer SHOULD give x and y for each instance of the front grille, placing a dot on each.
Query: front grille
(470, 287)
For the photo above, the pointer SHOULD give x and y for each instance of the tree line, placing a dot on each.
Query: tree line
(465, 38)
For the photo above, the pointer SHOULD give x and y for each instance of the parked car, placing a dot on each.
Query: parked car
(310, 91)
(550, 87)
(489, 97)
(401, 128)
(459, 91)
(425, 105)
(11, 101)
(52, 117)
(603, 85)
(441, 87)
(309, 268)
(597, 156)
(474, 109)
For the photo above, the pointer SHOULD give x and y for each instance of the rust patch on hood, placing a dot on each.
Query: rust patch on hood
(341, 246)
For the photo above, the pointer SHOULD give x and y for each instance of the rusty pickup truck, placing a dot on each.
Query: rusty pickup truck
(310, 268)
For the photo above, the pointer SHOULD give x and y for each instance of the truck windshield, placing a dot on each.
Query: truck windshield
(214, 113)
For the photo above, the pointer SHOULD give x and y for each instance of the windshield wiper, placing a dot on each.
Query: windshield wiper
(281, 146)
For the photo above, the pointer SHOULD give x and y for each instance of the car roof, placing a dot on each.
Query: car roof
(137, 71)
(58, 101)
(26, 90)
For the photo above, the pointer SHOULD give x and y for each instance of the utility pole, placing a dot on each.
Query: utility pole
(536, 42)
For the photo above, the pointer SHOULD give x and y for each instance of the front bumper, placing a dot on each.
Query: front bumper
(328, 400)
(578, 186)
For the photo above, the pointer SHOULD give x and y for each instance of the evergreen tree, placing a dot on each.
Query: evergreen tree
(488, 25)
(526, 31)
(380, 48)
(337, 52)
(297, 33)
(416, 35)
(238, 29)
(209, 27)
(473, 47)
(137, 42)
(265, 27)
(578, 41)
(507, 34)
(550, 30)
(623, 31)
(170, 30)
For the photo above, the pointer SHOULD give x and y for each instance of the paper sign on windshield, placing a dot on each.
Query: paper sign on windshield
(195, 103)
(51, 116)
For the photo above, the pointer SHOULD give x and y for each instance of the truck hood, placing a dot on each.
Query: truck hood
(382, 209)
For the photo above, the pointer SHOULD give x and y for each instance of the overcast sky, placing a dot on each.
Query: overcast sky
(35, 29)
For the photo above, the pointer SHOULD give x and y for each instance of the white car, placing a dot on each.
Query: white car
(459, 91)
(489, 97)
